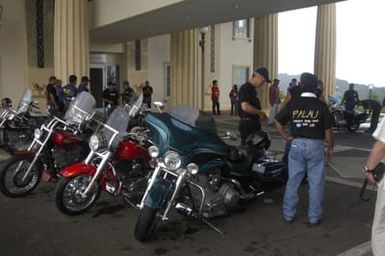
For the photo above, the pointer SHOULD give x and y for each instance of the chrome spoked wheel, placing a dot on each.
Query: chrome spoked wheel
(70, 198)
(15, 181)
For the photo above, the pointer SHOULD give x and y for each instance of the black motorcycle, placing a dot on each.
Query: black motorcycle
(197, 173)
(349, 119)
(18, 125)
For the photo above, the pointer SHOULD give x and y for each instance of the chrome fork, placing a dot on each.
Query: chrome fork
(105, 156)
(49, 128)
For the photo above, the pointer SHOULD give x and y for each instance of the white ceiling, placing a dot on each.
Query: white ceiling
(192, 14)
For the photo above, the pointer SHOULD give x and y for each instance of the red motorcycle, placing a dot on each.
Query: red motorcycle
(118, 164)
(56, 144)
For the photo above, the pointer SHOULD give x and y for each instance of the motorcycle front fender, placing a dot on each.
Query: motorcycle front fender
(159, 193)
(77, 169)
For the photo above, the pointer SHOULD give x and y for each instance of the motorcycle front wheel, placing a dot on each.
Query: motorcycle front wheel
(12, 180)
(69, 197)
(146, 224)
(353, 125)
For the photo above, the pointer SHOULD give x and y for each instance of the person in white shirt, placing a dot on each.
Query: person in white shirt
(376, 155)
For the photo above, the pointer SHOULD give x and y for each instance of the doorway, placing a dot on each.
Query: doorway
(96, 76)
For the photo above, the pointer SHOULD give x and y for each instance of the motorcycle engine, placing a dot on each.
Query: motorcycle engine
(220, 196)
(65, 157)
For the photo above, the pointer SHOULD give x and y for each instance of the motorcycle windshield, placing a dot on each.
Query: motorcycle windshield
(25, 101)
(186, 130)
(117, 120)
(80, 108)
(195, 118)
(135, 105)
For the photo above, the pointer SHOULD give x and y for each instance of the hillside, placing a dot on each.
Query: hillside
(342, 85)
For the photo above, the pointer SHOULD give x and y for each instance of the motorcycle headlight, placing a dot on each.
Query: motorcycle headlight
(153, 151)
(37, 133)
(172, 160)
(11, 116)
(94, 143)
(192, 168)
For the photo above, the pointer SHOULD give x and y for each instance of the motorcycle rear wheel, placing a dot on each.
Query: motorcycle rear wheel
(12, 183)
(68, 197)
(146, 224)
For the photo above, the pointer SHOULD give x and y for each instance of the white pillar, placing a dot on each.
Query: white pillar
(325, 48)
(266, 50)
(71, 38)
(184, 68)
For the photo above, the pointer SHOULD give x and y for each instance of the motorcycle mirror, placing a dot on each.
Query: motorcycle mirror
(159, 106)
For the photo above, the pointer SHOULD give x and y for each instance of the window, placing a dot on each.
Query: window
(241, 29)
(240, 75)
(167, 80)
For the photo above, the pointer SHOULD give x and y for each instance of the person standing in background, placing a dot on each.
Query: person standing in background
(70, 91)
(350, 98)
(147, 93)
(234, 100)
(83, 86)
(274, 100)
(52, 98)
(215, 97)
(127, 93)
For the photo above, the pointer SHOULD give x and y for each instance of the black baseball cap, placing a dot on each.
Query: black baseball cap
(309, 82)
(263, 72)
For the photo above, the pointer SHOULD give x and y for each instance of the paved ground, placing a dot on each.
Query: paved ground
(33, 226)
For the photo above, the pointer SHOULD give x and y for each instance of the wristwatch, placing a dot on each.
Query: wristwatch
(366, 169)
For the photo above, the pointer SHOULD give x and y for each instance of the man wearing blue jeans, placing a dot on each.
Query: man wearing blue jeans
(311, 123)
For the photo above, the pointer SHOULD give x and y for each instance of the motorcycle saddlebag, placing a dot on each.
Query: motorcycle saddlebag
(268, 169)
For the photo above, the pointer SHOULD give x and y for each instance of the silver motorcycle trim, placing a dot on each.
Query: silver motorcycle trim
(182, 176)
(105, 155)
(48, 128)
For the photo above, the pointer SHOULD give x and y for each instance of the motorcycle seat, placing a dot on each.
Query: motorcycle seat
(235, 154)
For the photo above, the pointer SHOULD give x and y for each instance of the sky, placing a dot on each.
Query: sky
(360, 41)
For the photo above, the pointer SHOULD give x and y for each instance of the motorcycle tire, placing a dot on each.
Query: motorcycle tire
(63, 192)
(353, 126)
(146, 224)
(26, 187)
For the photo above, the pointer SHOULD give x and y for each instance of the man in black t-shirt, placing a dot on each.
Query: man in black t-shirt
(110, 95)
(52, 97)
(127, 93)
(311, 124)
(147, 93)
(350, 98)
(249, 107)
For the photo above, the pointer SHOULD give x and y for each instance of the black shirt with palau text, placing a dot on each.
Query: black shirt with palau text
(309, 116)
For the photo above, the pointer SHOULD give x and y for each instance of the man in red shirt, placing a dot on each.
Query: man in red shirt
(215, 97)
(274, 100)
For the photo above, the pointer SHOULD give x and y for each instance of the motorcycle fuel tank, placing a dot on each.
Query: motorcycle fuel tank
(64, 138)
(129, 150)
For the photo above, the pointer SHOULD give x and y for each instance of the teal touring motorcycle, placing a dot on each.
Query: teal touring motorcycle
(197, 173)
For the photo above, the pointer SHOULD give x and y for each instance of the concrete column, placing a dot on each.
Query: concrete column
(71, 39)
(266, 50)
(325, 48)
(184, 68)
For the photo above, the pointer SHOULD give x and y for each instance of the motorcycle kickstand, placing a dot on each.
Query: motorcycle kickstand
(129, 202)
(213, 227)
